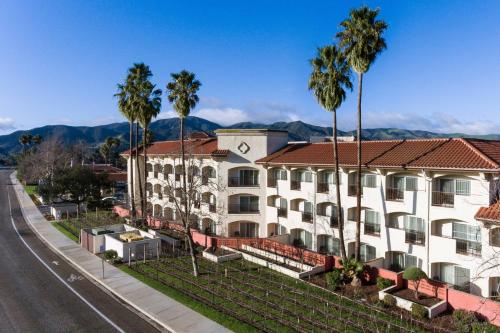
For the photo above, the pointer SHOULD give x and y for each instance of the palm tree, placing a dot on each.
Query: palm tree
(329, 80)
(148, 107)
(107, 147)
(126, 109)
(182, 93)
(362, 41)
(37, 139)
(25, 140)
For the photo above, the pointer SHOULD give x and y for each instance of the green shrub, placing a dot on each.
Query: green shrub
(463, 320)
(484, 328)
(351, 268)
(334, 278)
(418, 311)
(110, 255)
(373, 299)
(415, 275)
(389, 301)
(383, 283)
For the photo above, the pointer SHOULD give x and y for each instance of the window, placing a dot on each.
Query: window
(327, 177)
(399, 261)
(305, 176)
(282, 203)
(249, 204)
(367, 252)
(411, 183)
(280, 174)
(414, 223)
(462, 187)
(368, 180)
(249, 177)
(308, 207)
(372, 223)
(455, 275)
(466, 232)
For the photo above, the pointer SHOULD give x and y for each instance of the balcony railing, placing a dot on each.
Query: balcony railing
(323, 188)
(351, 190)
(443, 199)
(307, 217)
(282, 212)
(295, 185)
(238, 182)
(415, 237)
(395, 194)
(372, 229)
(271, 182)
(468, 247)
(238, 209)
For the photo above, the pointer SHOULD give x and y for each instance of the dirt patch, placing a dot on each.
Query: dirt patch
(410, 296)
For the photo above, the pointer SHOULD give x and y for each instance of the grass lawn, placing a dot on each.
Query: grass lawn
(31, 189)
(63, 230)
(226, 321)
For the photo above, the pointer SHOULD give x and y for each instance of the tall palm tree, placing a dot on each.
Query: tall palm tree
(25, 140)
(126, 109)
(362, 41)
(129, 94)
(329, 80)
(182, 93)
(148, 107)
(37, 139)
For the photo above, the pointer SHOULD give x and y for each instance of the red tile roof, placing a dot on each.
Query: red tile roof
(203, 147)
(449, 153)
(489, 214)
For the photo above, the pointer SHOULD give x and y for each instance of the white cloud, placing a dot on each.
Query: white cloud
(436, 122)
(6, 124)
(223, 116)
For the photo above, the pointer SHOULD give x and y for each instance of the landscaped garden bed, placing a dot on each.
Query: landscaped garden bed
(88, 220)
(220, 255)
(269, 301)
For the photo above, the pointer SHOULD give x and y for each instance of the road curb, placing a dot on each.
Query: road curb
(101, 284)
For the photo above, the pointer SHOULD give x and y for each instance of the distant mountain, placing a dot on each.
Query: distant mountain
(168, 129)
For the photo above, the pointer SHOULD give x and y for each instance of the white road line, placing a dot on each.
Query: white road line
(57, 276)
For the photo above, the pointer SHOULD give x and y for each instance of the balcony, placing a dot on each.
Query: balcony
(212, 208)
(468, 248)
(323, 188)
(307, 217)
(155, 174)
(415, 237)
(282, 212)
(372, 229)
(334, 222)
(238, 209)
(394, 194)
(352, 192)
(271, 182)
(178, 177)
(295, 185)
(443, 199)
(238, 182)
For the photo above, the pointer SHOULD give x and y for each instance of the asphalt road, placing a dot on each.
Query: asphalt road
(33, 299)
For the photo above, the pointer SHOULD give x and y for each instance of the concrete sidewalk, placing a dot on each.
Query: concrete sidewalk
(167, 312)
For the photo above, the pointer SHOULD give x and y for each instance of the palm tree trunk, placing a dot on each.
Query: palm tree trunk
(184, 203)
(139, 181)
(132, 189)
(358, 176)
(340, 218)
(145, 180)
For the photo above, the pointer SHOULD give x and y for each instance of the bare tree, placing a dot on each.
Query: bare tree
(199, 196)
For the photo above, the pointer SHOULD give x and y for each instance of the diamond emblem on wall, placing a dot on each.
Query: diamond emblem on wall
(243, 147)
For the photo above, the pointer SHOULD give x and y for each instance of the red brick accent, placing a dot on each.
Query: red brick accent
(121, 211)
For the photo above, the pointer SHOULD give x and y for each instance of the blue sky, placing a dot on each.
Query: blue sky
(60, 61)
